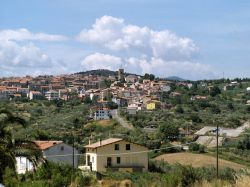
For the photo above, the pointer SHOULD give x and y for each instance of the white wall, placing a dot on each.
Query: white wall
(23, 165)
(57, 150)
(132, 157)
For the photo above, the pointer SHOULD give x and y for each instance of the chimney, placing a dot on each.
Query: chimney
(89, 141)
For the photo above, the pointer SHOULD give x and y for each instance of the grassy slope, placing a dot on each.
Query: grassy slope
(197, 160)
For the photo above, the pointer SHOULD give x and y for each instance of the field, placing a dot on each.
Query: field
(102, 123)
(197, 160)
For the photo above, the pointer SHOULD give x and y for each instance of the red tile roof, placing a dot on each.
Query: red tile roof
(46, 144)
(103, 142)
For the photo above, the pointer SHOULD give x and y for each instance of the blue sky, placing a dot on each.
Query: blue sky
(193, 39)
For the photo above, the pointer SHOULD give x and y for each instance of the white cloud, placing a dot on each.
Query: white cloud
(142, 50)
(24, 34)
(142, 65)
(25, 58)
(163, 68)
(20, 56)
(105, 29)
(101, 61)
(114, 34)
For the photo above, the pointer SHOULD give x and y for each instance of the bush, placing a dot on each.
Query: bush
(179, 110)
(245, 143)
(195, 147)
(10, 178)
(215, 91)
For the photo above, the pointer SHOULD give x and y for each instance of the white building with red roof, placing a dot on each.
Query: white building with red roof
(116, 154)
(59, 152)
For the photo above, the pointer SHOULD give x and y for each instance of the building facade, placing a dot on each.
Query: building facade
(117, 155)
(59, 152)
(102, 113)
(52, 95)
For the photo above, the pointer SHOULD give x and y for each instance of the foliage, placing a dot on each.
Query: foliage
(245, 143)
(195, 147)
(168, 131)
(215, 91)
(10, 147)
(48, 174)
(149, 76)
(188, 175)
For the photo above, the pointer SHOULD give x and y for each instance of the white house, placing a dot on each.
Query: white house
(59, 152)
(120, 101)
(165, 88)
(102, 113)
(52, 95)
(248, 89)
(23, 164)
(116, 154)
(34, 95)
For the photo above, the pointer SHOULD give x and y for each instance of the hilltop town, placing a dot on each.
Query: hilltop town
(117, 121)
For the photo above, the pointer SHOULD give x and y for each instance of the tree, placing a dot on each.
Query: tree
(168, 131)
(87, 100)
(248, 109)
(230, 106)
(149, 76)
(179, 109)
(195, 147)
(112, 105)
(245, 143)
(10, 148)
(215, 91)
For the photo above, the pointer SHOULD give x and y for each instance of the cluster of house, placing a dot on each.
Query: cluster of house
(50, 87)
(111, 154)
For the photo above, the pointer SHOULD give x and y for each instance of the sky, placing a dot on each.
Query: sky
(191, 39)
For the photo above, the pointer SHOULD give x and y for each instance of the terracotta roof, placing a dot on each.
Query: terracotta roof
(103, 142)
(46, 144)
(35, 92)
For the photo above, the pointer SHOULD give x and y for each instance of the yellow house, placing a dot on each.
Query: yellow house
(117, 155)
(152, 105)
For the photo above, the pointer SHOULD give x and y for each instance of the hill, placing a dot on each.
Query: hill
(174, 78)
(102, 72)
(106, 73)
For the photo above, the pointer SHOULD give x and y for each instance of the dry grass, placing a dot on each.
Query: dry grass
(197, 160)
(103, 123)
(114, 183)
(241, 182)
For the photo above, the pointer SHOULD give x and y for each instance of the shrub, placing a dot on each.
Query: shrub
(195, 147)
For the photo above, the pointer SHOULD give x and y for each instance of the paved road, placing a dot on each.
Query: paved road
(124, 123)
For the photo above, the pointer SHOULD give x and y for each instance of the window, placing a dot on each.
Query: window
(118, 160)
(62, 148)
(116, 147)
(109, 161)
(93, 159)
(127, 146)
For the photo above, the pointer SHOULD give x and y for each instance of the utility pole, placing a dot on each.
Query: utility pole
(75, 122)
(73, 151)
(73, 158)
(217, 150)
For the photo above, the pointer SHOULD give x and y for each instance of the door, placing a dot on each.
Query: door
(109, 161)
(88, 160)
